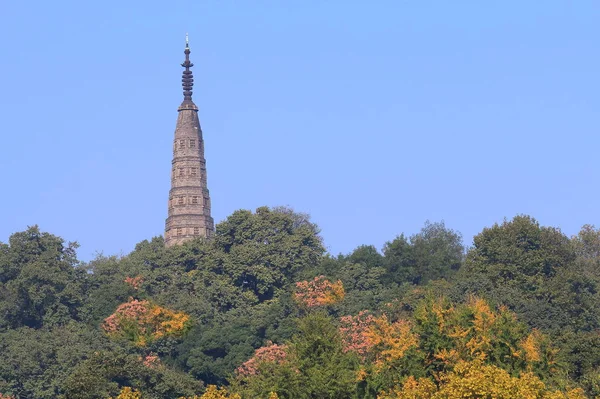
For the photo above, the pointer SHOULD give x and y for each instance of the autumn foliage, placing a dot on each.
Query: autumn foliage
(129, 393)
(212, 392)
(134, 282)
(451, 351)
(319, 292)
(356, 333)
(391, 340)
(477, 380)
(536, 336)
(271, 354)
(475, 331)
(151, 360)
(439, 351)
(143, 322)
(445, 334)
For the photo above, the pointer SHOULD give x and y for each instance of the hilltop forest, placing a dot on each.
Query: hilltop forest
(262, 311)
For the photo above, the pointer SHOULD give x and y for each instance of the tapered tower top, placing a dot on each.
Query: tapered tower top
(187, 80)
(189, 199)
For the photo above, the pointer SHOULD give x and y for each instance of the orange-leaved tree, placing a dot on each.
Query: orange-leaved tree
(271, 354)
(318, 292)
(134, 282)
(142, 322)
(151, 360)
(355, 332)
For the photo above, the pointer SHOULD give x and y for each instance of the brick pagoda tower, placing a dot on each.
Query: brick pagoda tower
(189, 202)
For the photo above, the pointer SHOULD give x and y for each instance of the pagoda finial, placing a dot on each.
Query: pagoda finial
(187, 80)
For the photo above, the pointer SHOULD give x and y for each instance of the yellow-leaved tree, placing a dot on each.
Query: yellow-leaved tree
(444, 348)
(212, 392)
(129, 393)
(477, 380)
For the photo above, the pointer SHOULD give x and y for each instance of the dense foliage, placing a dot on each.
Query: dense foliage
(262, 311)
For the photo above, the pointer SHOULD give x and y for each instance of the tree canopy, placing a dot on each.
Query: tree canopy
(262, 311)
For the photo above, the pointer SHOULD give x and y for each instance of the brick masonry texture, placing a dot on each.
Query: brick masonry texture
(189, 200)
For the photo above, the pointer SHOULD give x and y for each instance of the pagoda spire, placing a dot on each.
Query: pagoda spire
(187, 79)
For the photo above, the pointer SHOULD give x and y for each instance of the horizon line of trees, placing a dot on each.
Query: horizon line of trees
(262, 311)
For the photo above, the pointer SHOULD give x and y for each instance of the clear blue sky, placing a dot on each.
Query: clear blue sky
(372, 116)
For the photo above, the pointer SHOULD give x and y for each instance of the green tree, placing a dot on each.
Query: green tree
(106, 288)
(264, 251)
(399, 261)
(436, 252)
(519, 252)
(39, 284)
(104, 373)
(364, 287)
(212, 351)
(35, 362)
(315, 366)
(326, 370)
(366, 255)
